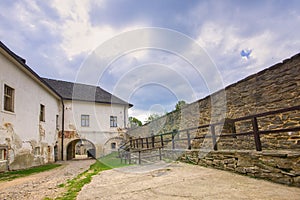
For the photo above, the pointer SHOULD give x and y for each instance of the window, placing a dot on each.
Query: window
(113, 121)
(85, 120)
(9, 95)
(2, 154)
(57, 123)
(42, 113)
(113, 145)
(37, 151)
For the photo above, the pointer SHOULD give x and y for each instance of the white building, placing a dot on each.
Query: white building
(42, 120)
(91, 114)
(28, 110)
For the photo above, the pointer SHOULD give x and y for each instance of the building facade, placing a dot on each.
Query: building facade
(43, 120)
(93, 115)
(28, 112)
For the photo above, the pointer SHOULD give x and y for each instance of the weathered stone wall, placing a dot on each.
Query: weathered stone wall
(271, 89)
(277, 166)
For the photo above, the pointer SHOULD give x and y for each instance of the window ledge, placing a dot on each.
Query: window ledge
(8, 112)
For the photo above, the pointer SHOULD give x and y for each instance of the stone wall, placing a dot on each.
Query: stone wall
(277, 166)
(274, 88)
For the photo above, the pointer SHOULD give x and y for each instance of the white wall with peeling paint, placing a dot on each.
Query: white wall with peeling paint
(23, 127)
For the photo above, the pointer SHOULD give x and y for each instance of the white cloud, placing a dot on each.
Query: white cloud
(141, 115)
(57, 42)
(78, 33)
(224, 44)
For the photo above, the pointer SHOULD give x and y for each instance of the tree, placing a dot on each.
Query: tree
(152, 117)
(134, 122)
(179, 105)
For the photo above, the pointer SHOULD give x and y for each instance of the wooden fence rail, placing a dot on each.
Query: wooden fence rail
(161, 140)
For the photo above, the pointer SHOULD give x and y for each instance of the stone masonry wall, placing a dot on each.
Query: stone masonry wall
(274, 88)
(277, 166)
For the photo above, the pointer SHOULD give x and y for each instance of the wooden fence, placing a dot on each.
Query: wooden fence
(160, 141)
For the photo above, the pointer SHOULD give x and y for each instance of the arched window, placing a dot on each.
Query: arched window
(113, 145)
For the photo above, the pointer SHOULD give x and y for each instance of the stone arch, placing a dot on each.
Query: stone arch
(84, 148)
(112, 144)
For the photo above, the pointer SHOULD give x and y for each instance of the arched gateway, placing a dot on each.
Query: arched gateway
(80, 149)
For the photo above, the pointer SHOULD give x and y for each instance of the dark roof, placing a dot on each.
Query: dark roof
(26, 68)
(83, 92)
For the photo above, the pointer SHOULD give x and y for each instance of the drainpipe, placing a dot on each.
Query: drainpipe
(125, 117)
(62, 129)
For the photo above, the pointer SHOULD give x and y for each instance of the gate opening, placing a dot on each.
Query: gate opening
(81, 149)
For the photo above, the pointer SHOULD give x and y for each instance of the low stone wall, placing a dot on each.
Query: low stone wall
(277, 166)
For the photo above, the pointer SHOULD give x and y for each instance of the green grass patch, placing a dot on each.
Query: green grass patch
(7, 176)
(112, 160)
(74, 186)
(61, 185)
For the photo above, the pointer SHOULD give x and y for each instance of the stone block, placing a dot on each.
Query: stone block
(252, 170)
(284, 180)
(288, 174)
(296, 180)
(244, 162)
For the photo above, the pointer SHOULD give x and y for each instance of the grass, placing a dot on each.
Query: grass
(7, 176)
(74, 186)
(112, 160)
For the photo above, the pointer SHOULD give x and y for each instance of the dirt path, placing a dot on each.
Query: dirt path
(45, 184)
(181, 181)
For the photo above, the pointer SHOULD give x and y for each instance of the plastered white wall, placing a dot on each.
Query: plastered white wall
(29, 94)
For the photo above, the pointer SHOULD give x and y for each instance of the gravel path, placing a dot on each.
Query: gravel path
(181, 181)
(45, 184)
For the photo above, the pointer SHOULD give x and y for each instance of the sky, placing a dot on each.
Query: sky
(151, 53)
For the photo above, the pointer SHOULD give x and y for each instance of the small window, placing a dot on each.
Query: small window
(113, 145)
(85, 120)
(42, 113)
(2, 154)
(57, 123)
(37, 151)
(113, 121)
(9, 95)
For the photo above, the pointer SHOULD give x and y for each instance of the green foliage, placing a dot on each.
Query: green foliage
(134, 122)
(74, 186)
(152, 117)
(179, 105)
(112, 160)
(61, 185)
(7, 176)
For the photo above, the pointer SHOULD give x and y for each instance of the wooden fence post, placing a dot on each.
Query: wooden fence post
(213, 135)
(140, 158)
(256, 134)
(161, 140)
(147, 143)
(189, 139)
(160, 157)
(129, 158)
(153, 141)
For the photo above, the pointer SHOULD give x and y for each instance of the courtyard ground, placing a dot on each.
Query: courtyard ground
(44, 184)
(181, 181)
(157, 181)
